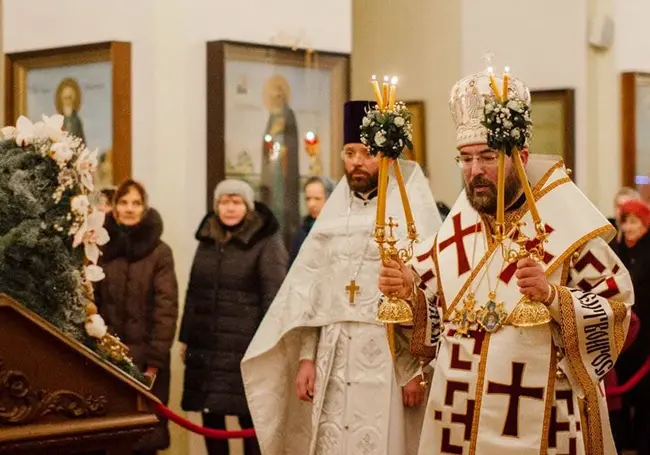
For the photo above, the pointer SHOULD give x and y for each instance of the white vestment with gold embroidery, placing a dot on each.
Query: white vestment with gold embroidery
(528, 390)
(357, 406)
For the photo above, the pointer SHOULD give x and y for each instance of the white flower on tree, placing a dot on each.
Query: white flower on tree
(92, 234)
(94, 273)
(86, 165)
(27, 132)
(96, 327)
(80, 204)
(61, 153)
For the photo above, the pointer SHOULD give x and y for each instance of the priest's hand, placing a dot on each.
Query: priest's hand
(396, 279)
(532, 280)
(413, 393)
(305, 380)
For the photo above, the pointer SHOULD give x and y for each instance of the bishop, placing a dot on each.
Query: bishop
(513, 386)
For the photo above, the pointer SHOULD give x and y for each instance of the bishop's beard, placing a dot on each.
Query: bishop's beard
(362, 181)
(486, 202)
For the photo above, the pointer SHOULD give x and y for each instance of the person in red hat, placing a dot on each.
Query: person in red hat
(634, 252)
(619, 417)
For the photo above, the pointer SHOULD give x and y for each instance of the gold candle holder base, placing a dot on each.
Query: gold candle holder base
(529, 314)
(393, 310)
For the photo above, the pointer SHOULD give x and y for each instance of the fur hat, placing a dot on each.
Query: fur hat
(238, 187)
(638, 208)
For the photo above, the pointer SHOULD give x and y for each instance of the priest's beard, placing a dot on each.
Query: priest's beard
(486, 202)
(362, 181)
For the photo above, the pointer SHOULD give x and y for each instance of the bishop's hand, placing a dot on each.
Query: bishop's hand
(395, 279)
(532, 280)
(413, 393)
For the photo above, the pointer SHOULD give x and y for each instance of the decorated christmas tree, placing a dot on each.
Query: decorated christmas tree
(51, 231)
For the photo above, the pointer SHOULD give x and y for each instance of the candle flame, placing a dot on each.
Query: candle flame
(386, 79)
(393, 81)
(507, 69)
(374, 77)
(490, 70)
(310, 136)
(268, 138)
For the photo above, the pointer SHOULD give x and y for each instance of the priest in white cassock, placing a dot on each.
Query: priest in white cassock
(319, 376)
(497, 388)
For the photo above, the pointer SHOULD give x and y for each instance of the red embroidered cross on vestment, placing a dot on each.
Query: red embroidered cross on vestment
(516, 391)
(458, 240)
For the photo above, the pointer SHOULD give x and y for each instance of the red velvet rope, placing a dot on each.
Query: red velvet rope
(632, 382)
(210, 433)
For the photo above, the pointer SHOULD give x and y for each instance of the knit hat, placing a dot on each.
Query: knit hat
(238, 187)
(638, 208)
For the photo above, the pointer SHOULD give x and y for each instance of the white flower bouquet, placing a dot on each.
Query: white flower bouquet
(387, 132)
(509, 124)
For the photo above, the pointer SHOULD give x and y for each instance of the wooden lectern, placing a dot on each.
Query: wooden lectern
(58, 397)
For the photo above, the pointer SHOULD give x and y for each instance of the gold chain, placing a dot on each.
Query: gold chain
(487, 266)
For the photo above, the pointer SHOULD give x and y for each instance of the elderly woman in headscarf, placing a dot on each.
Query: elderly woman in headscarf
(634, 251)
(238, 268)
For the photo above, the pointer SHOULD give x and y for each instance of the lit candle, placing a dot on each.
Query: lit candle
(493, 85)
(381, 191)
(391, 97)
(375, 88)
(268, 142)
(402, 191)
(530, 198)
(385, 179)
(310, 138)
(384, 91)
(506, 77)
(501, 179)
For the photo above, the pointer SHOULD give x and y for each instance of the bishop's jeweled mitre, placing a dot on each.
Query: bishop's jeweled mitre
(467, 99)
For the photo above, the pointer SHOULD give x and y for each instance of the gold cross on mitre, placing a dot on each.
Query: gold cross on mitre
(352, 289)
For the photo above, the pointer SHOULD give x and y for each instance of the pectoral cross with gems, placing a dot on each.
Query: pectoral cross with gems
(352, 289)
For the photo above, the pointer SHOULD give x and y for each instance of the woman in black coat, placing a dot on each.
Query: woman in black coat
(139, 296)
(238, 268)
